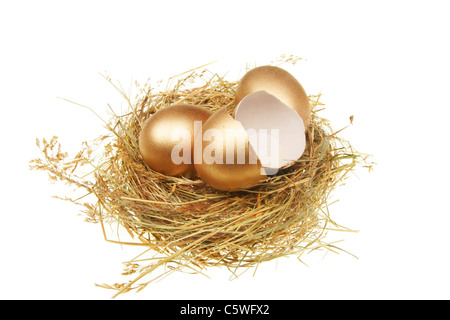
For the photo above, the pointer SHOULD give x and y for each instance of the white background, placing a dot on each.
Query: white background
(385, 62)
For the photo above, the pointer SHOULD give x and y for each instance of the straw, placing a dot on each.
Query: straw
(183, 224)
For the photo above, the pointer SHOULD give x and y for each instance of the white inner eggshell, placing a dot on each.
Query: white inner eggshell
(276, 132)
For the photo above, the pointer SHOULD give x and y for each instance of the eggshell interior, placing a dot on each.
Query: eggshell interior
(276, 132)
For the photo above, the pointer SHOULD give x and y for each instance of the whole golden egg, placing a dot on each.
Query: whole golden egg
(227, 161)
(166, 141)
(279, 83)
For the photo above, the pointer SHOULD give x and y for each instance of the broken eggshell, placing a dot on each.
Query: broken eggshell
(276, 132)
(227, 162)
(264, 136)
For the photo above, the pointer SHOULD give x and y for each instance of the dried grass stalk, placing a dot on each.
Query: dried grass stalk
(184, 223)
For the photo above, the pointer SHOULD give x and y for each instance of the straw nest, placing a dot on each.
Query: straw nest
(184, 223)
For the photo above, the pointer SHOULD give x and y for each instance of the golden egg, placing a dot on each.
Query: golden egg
(225, 160)
(166, 140)
(279, 83)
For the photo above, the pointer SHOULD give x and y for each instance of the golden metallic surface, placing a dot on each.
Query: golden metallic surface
(231, 174)
(155, 139)
(279, 83)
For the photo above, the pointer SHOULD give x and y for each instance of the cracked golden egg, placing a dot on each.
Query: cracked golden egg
(240, 150)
